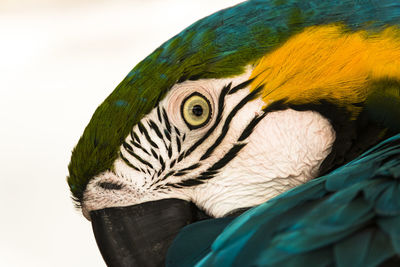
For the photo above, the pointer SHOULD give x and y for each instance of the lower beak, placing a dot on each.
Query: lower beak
(140, 235)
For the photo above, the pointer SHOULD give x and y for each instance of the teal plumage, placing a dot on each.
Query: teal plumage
(350, 217)
(220, 45)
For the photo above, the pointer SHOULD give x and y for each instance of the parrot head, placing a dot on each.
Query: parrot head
(239, 107)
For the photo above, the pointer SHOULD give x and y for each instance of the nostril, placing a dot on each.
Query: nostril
(110, 186)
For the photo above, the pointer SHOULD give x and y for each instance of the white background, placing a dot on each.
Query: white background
(58, 61)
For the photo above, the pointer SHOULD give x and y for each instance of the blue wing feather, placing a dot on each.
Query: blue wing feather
(350, 217)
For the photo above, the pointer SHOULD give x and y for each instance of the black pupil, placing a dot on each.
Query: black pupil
(197, 110)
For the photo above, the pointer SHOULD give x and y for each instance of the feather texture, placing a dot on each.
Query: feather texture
(349, 217)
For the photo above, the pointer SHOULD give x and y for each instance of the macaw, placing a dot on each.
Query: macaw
(266, 134)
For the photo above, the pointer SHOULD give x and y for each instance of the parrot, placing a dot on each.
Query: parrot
(266, 134)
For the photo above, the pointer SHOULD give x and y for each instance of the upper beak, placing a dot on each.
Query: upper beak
(140, 235)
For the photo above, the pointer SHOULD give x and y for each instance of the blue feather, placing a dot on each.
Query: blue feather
(358, 244)
(350, 217)
(195, 237)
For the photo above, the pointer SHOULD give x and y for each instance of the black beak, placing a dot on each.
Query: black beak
(140, 235)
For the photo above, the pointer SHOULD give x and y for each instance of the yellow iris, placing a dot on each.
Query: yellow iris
(196, 110)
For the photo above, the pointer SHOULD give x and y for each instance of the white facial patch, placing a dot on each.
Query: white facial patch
(240, 158)
(285, 150)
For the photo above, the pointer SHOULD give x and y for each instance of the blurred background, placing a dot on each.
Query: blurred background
(59, 59)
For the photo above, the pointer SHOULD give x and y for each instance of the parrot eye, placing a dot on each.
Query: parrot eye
(196, 110)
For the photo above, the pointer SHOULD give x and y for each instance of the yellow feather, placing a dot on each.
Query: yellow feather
(330, 63)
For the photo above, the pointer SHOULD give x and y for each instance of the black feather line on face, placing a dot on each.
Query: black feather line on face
(130, 151)
(169, 151)
(159, 114)
(178, 143)
(127, 146)
(250, 127)
(213, 170)
(162, 162)
(135, 137)
(190, 182)
(166, 120)
(172, 164)
(228, 120)
(154, 126)
(192, 167)
(226, 158)
(167, 175)
(155, 155)
(127, 162)
(180, 173)
(167, 135)
(144, 131)
(181, 156)
(240, 86)
(139, 146)
(110, 186)
(177, 131)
